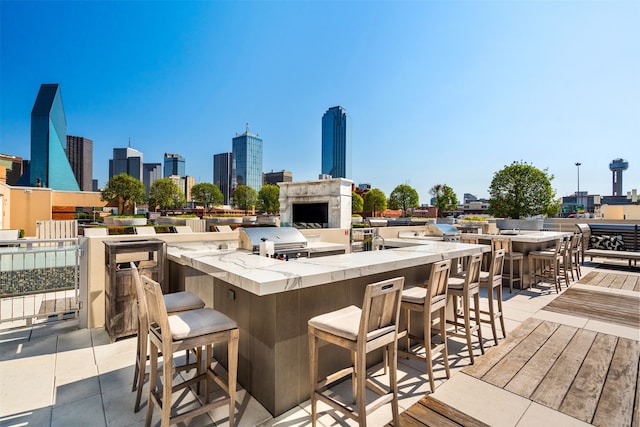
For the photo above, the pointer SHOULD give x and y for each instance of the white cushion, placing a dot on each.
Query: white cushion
(181, 301)
(456, 282)
(194, 323)
(343, 323)
(417, 295)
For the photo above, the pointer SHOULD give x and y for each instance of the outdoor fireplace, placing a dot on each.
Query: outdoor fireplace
(324, 203)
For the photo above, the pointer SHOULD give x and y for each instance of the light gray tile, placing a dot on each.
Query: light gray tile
(85, 412)
(538, 415)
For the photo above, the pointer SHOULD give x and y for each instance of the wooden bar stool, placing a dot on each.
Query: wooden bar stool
(492, 282)
(360, 331)
(547, 265)
(510, 256)
(467, 288)
(427, 299)
(190, 329)
(176, 302)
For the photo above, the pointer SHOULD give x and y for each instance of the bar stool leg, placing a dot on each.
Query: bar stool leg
(476, 309)
(504, 331)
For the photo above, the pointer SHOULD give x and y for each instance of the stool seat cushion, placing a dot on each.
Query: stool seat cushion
(513, 255)
(417, 295)
(343, 323)
(202, 321)
(182, 301)
(456, 282)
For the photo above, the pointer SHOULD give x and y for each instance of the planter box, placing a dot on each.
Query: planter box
(520, 224)
(124, 221)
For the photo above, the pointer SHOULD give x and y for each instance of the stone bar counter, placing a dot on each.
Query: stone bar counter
(272, 300)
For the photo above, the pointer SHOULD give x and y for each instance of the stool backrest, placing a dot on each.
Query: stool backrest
(143, 311)
(157, 311)
(469, 238)
(381, 309)
(438, 280)
(502, 243)
(473, 270)
(497, 264)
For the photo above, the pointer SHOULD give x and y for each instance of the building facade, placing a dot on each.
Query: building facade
(223, 175)
(273, 178)
(174, 164)
(49, 166)
(247, 156)
(150, 172)
(12, 166)
(336, 143)
(80, 155)
(126, 160)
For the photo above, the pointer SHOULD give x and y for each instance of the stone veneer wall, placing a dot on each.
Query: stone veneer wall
(336, 192)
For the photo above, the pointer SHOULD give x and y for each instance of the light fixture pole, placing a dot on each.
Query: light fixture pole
(578, 192)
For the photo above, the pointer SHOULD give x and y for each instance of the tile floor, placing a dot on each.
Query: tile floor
(58, 375)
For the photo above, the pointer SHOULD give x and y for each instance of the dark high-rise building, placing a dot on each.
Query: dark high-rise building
(150, 172)
(247, 156)
(80, 155)
(336, 143)
(275, 177)
(174, 164)
(223, 174)
(126, 160)
(49, 166)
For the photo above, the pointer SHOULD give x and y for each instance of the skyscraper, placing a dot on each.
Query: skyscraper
(126, 160)
(49, 166)
(247, 156)
(336, 143)
(223, 173)
(150, 172)
(80, 154)
(174, 164)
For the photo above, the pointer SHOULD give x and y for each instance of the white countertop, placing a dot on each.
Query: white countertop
(529, 236)
(264, 276)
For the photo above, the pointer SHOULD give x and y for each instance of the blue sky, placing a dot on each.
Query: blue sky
(438, 92)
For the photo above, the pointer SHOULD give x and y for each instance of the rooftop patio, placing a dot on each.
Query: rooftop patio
(56, 374)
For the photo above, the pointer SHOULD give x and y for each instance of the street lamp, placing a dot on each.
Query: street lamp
(578, 192)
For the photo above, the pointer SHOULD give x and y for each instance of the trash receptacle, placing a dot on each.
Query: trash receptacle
(121, 317)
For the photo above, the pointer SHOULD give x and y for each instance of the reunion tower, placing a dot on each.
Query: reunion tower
(617, 166)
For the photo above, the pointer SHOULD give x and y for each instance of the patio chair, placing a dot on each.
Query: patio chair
(198, 328)
(145, 231)
(175, 303)
(467, 288)
(182, 229)
(96, 232)
(360, 331)
(427, 299)
(492, 282)
(510, 256)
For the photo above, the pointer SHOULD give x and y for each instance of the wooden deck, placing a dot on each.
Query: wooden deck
(591, 376)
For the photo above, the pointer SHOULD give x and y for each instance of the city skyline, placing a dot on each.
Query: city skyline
(439, 92)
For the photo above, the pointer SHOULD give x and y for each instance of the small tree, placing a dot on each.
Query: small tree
(445, 198)
(126, 191)
(245, 197)
(207, 194)
(403, 197)
(375, 201)
(269, 198)
(521, 190)
(357, 203)
(166, 194)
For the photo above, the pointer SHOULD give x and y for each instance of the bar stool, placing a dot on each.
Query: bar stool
(467, 288)
(175, 302)
(427, 299)
(360, 331)
(545, 265)
(190, 329)
(576, 243)
(492, 281)
(510, 256)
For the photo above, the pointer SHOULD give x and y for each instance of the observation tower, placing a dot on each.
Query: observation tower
(617, 166)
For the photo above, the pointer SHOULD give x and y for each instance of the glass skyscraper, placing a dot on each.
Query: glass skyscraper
(49, 166)
(174, 165)
(223, 175)
(336, 143)
(150, 172)
(247, 156)
(126, 160)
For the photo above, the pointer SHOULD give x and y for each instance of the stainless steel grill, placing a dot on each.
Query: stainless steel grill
(448, 232)
(286, 240)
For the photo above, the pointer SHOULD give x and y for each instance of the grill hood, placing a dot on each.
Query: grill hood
(282, 238)
(442, 230)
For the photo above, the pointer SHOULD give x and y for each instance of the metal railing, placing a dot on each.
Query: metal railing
(39, 279)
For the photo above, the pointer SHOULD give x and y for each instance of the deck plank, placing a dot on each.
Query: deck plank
(495, 354)
(450, 413)
(421, 415)
(607, 280)
(582, 398)
(590, 276)
(608, 307)
(552, 390)
(618, 281)
(618, 395)
(525, 382)
(503, 371)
